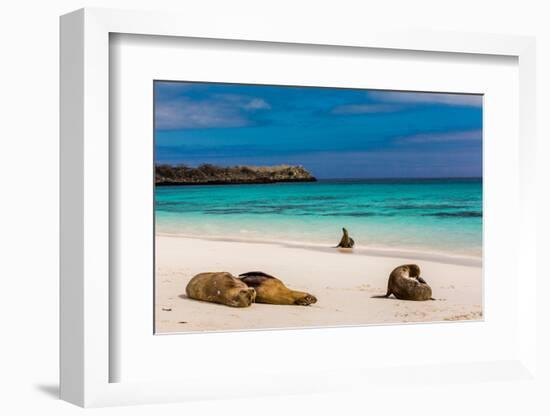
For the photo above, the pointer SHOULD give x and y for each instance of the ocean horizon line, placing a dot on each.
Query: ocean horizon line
(419, 178)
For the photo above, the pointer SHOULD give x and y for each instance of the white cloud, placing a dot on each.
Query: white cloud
(365, 109)
(454, 136)
(257, 104)
(467, 100)
(392, 101)
(186, 114)
(216, 112)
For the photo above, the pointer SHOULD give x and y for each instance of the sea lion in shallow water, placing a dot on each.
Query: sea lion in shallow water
(405, 283)
(271, 290)
(220, 287)
(346, 241)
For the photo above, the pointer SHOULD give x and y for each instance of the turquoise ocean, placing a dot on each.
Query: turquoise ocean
(439, 216)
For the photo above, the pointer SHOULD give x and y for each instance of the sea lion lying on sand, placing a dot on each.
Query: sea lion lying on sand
(271, 290)
(346, 241)
(405, 283)
(220, 287)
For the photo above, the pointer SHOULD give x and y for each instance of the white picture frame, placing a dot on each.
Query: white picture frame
(86, 356)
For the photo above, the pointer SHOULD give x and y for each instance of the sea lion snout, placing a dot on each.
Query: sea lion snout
(245, 297)
(251, 293)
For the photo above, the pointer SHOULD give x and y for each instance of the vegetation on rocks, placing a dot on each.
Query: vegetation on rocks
(207, 174)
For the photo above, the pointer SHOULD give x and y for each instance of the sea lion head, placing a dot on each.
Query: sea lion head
(414, 270)
(241, 297)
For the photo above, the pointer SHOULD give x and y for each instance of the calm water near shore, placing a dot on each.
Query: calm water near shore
(436, 215)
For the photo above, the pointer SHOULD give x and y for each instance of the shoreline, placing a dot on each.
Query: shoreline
(438, 257)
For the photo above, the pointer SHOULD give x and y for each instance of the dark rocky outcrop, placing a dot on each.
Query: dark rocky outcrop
(207, 174)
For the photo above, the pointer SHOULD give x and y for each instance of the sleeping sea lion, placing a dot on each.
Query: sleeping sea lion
(346, 241)
(269, 289)
(220, 287)
(405, 283)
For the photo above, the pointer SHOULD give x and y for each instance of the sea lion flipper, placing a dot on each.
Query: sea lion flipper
(255, 279)
(421, 280)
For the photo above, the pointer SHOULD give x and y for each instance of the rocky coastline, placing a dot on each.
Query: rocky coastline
(207, 174)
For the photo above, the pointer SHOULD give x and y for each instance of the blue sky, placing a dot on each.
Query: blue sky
(334, 133)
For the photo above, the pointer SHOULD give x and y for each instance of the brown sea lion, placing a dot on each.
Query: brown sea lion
(271, 290)
(346, 241)
(405, 283)
(220, 287)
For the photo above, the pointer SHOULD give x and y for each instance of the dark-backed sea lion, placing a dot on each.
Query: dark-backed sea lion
(220, 287)
(405, 283)
(346, 241)
(269, 289)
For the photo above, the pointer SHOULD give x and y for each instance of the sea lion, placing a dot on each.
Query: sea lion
(346, 241)
(271, 290)
(405, 283)
(220, 287)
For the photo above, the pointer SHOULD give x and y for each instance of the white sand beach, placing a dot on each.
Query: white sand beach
(343, 283)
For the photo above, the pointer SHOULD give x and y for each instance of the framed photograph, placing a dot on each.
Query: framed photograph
(271, 195)
(291, 201)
